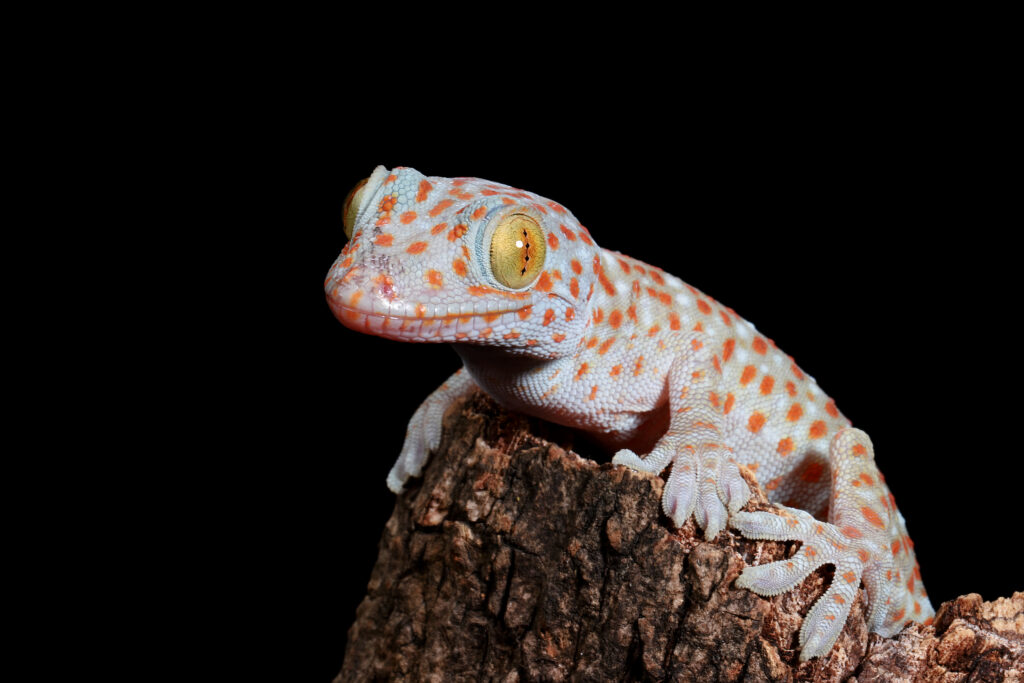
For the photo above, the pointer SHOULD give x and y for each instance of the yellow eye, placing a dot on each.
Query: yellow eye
(517, 251)
(351, 210)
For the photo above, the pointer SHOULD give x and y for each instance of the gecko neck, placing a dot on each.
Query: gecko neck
(501, 374)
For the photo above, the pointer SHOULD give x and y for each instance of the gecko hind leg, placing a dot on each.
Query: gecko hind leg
(857, 541)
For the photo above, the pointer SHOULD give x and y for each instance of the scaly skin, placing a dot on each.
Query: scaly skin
(602, 342)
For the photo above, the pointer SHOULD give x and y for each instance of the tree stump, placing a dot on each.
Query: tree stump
(515, 559)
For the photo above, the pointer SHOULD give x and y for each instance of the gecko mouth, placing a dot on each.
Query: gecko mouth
(343, 312)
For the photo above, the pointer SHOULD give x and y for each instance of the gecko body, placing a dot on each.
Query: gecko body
(550, 324)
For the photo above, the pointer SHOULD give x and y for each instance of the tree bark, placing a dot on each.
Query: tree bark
(515, 559)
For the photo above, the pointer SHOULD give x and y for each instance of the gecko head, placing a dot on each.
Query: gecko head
(463, 260)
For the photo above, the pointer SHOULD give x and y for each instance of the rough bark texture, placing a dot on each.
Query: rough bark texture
(514, 559)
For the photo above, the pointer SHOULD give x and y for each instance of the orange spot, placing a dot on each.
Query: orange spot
(785, 446)
(725, 318)
(773, 484)
(605, 345)
(439, 228)
(851, 532)
(574, 288)
(615, 319)
(896, 545)
(552, 241)
(664, 298)
(569, 234)
(609, 288)
(850, 577)
(558, 337)
(818, 429)
(729, 401)
(867, 479)
(434, 278)
(766, 385)
(696, 344)
(479, 213)
(416, 247)
(872, 517)
(544, 283)
(592, 342)
(899, 615)
(511, 335)
(384, 240)
(486, 332)
(459, 267)
(356, 296)
(748, 375)
(598, 315)
(407, 217)
(421, 310)
(530, 342)
(759, 346)
(593, 393)
(859, 449)
(703, 306)
(346, 263)
(549, 316)
(582, 371)
(639, 366)
(808, 550)
(457, 232)
(839, 599)
(755, 422)
(795, 412)
(727, 348)
(831, 409)
(424, 190)
(790, 388)
(439, 207)
(656, 276)
(796, 371)
(525, 312)
(570, 313)
(577, 267)
(717, 365)
(616, 370)
(557, 207)
(673, 321)
(636, 289)
(624, 266)
(812, 473)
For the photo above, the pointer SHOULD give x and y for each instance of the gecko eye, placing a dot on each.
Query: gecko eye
(517, 251)
(352, 203)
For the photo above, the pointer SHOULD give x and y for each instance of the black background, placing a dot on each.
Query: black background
(865, 232)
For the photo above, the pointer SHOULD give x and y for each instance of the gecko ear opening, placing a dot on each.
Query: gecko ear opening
(359, 196)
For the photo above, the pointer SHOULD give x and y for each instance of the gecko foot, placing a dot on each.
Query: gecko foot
(704, 483)
(823, 543)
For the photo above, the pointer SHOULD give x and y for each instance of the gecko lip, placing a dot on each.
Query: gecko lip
(343, 312)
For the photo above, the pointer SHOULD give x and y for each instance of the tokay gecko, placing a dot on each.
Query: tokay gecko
(550, 324)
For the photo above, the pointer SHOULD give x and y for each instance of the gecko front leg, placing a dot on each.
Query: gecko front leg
(705, 479)
(424, 432)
